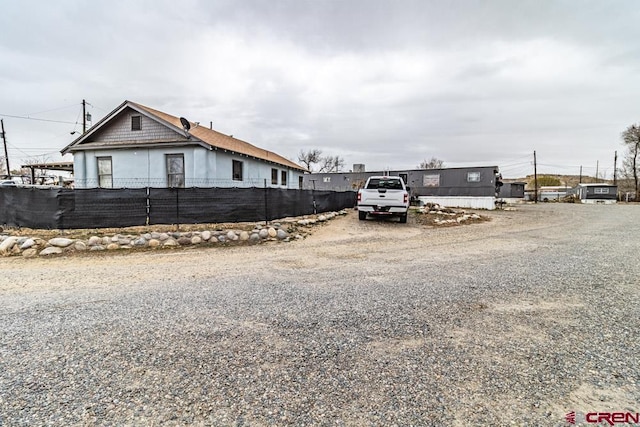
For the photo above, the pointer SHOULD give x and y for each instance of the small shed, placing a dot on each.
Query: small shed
(512, 192)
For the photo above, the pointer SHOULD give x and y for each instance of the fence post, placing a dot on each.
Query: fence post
(266, 203)
(177, 208)
(148, 219)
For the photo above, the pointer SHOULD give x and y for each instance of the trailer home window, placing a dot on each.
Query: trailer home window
(601, 190)
(473, 176)
(431, 180)
(274, 176)
(283, 178)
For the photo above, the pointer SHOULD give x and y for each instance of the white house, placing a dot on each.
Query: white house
(136, 146)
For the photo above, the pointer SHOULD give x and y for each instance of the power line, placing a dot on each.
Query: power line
(40, 120)
(53, 109)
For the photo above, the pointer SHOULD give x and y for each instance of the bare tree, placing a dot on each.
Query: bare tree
(326, 163)
(332, 164)
(631, 140)
(310, 158)
(432, 163)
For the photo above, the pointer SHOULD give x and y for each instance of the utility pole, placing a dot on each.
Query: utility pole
(6, 154)
(597, 166)
(535, 177)
(615, 168)
(581, 174)
(84, 117)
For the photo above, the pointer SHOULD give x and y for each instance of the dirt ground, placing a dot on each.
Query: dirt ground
(510, 302)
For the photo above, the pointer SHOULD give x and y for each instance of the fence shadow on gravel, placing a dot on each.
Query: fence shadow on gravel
(61, 208)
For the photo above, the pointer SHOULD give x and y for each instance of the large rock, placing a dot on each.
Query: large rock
(154, 243)
(7, 244)
(184, 241)
(60, 242)
(272, 232)
(206, 235)
(140, 242)
(113, 246)
(51, 250)
(244, 236)
(170, 242)
(264, 233)
(30, 253)
(231, 235)
(94, 241)
(281, 234)
(80, 246)
(254, 238)
(196, 240)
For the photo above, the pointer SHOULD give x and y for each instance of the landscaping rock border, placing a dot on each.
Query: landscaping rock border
(279, 231)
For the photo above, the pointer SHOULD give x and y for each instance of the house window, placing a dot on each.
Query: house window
(175, 170)
(326, 179)
(431, 180)
(601, 190)
(274, 176)
(136, 123)
(237, 170)
(473, 177)
(105, 174)
(283, 177)
(300, 182)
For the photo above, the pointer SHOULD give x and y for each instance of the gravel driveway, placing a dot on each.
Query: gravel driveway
(516, 321)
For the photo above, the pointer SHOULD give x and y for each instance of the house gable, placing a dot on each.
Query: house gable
(119, 129)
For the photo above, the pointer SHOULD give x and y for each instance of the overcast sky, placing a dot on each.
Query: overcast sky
(384, 83)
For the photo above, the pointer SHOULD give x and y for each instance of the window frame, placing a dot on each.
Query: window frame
(234, 165)
(102, 176)
(431, 180)
(171, 176)
(274, 176)
(601, 190)
(139, 127)
(474, 177)
(284, 177)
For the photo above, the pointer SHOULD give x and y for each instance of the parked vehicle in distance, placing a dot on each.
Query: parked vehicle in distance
(384, 196)
(7, 183)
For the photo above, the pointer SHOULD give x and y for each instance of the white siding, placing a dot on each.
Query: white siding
(137, 168)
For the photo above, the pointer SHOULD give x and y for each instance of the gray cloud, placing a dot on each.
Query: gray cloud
(377, 82)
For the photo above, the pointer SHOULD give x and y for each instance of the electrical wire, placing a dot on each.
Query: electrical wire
(40, 120)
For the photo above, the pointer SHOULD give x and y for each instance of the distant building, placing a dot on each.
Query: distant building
(512, 192)
(471, 187)
(597, 193)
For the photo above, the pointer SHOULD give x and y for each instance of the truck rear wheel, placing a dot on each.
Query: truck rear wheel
(362, 215)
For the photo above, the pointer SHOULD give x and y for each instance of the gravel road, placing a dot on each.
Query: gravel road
(516, 321)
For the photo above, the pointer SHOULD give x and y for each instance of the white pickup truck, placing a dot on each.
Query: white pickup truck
(384, 195)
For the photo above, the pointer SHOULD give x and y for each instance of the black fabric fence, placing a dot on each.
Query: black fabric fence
(99, 207)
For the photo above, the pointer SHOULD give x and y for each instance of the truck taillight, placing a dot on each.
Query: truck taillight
(406, 197)
(359, 196)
